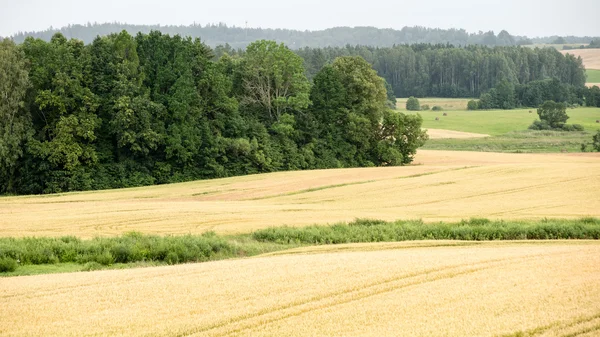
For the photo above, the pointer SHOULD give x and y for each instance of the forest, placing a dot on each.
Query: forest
(152, 109)
(238, 37)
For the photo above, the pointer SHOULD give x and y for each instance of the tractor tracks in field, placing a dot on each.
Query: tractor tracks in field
(581, 326)
(251, 321)
(360, 182)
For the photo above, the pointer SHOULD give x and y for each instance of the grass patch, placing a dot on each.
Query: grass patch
(528, 141)
(44, 255)
(500, 122)
(593, 75)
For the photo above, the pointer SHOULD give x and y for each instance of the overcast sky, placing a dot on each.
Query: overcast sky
(519, 17)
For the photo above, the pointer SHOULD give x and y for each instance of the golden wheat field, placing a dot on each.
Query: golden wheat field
(440, 186)
(590, 57)
(448, 134)
(410, 289)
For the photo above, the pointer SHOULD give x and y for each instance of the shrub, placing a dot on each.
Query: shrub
(578, 127)
(172, 258)
(540, 125)
(7, 264)
(105, 258)
(596, 141)
(472, 105)
(568, 127)
(412, 104)
(91, 266)
(437, 108)
(425, 107)
(121, 253)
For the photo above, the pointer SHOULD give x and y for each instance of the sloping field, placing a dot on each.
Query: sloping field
(500, 122)
(412, 289)
(450, 134)
(442, 185)
(590, 57)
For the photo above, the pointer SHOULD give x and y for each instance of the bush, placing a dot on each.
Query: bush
(412, 104)
(91, 266)
(437, 108)
(472, 105)
(540, 125)
(105, 258)
(425, 107)
(578, 127)
(172, 258)
(7, 264)
(567, 127)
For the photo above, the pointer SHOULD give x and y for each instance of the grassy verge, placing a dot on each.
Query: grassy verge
(593, 75)
(519, 141)
(28, 256)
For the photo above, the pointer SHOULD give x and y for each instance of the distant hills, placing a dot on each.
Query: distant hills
(237, 37)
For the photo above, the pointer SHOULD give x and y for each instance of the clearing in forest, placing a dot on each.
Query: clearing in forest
(420, 288)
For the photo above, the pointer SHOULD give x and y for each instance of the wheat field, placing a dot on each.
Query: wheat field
(419, 289)
(590, 57)
(440, 186)
(451, 134)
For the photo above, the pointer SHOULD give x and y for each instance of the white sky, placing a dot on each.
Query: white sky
(519, 17)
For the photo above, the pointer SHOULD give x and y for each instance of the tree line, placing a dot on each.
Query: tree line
(154, 108)
(425, 70)
(238, 37)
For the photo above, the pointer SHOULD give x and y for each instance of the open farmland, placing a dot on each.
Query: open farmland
(508, 131)
(441, 186)
(593, 75)
(590, 57)
(499, 122)
(348, 290)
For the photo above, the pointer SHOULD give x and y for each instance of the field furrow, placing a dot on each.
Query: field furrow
(366, 289)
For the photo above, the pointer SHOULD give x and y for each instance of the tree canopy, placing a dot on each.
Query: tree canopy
(148, 109)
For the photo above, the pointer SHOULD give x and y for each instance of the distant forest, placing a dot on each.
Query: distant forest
(237, 37)
(443, 70)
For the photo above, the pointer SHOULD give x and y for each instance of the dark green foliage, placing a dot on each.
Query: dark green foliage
(594, 146)
(553, 113)
(15, 119)
(572, 127)
(540, 125)
(472, 105)
(152, 109)
(425, 107)
(422, 70)
(412, 104)
(7, 264)
(436, 108)
(391, 97)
